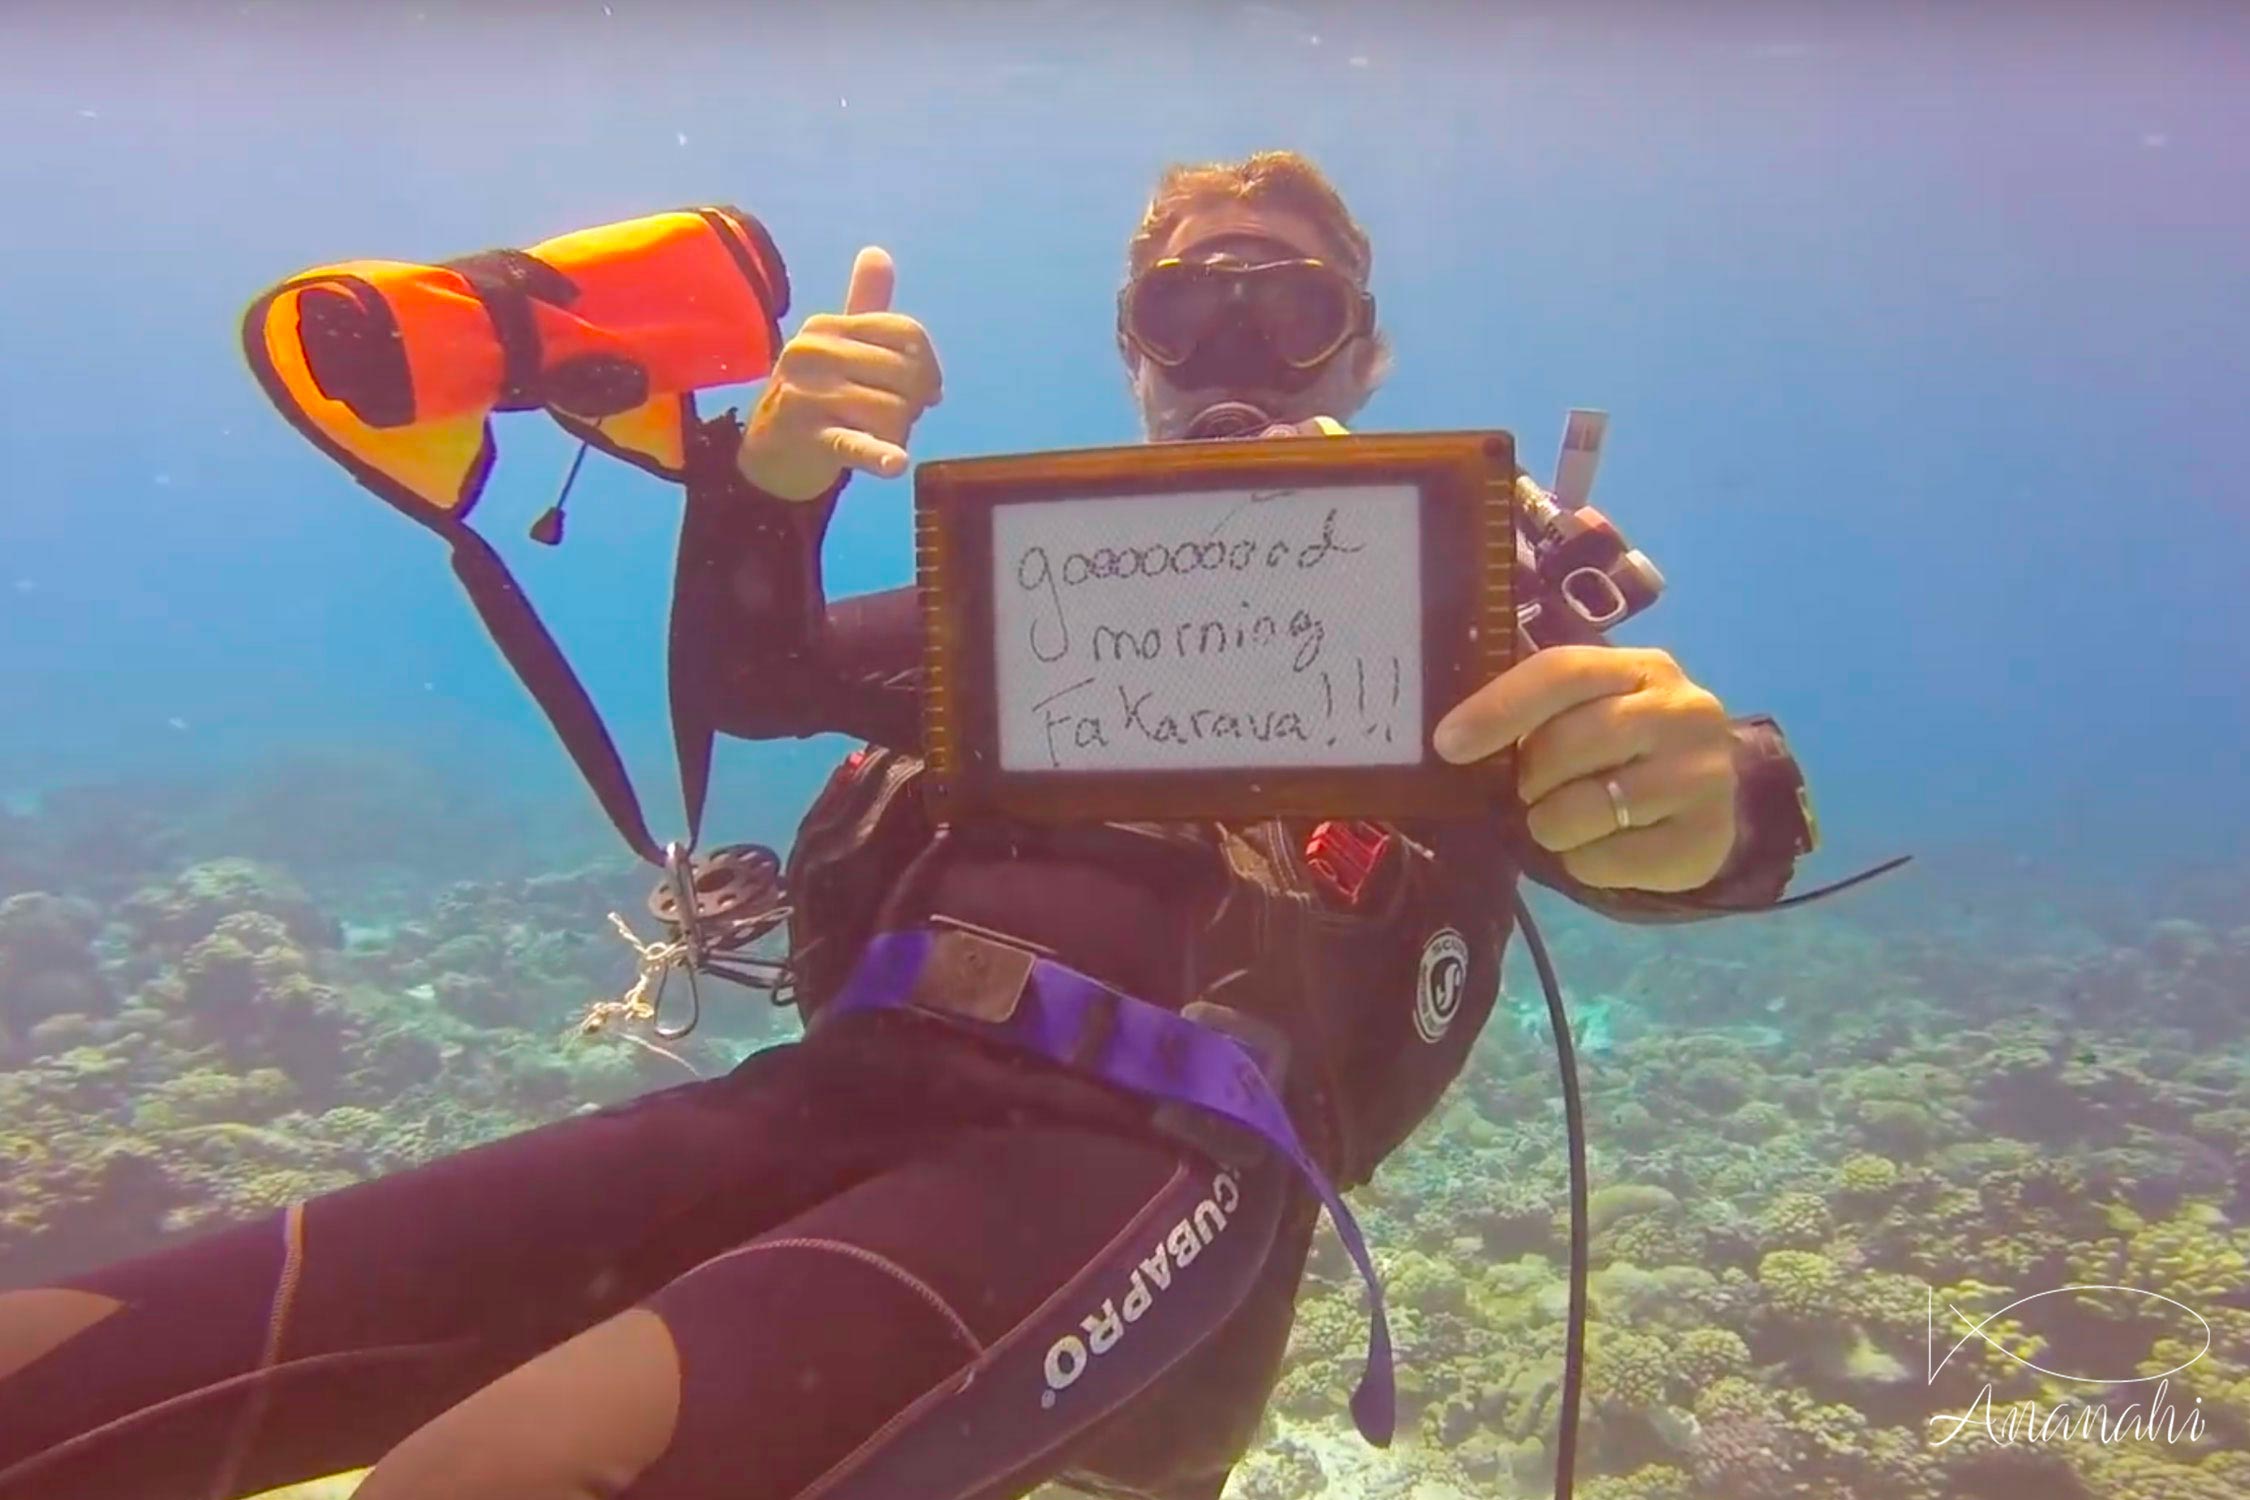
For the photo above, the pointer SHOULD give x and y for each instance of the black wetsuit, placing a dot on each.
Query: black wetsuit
(866, 1245)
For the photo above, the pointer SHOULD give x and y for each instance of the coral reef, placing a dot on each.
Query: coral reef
(173, 914)
(1815, 1144)
(1783, 1215)
(47, 967)
(208, 1047)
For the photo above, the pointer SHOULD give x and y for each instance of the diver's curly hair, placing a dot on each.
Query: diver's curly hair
(1283, 179)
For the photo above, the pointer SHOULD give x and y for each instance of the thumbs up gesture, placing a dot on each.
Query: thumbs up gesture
(845, 392)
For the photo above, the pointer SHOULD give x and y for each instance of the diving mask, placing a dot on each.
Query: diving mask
(1221, 322)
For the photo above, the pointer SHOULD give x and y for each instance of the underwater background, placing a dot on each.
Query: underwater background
(1925, 335)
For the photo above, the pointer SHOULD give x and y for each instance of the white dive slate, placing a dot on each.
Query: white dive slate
(1221, 629)
(1238, 630)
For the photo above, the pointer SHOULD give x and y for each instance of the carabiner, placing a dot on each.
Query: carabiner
(679, 872)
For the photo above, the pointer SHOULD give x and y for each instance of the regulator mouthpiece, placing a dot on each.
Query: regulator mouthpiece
(1228, 419)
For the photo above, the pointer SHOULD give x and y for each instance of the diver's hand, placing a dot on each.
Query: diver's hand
(844, 392)
(1589, 715)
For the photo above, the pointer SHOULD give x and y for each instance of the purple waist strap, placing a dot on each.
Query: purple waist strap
(1081, 1023)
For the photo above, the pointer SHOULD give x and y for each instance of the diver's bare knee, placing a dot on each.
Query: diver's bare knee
(37, 1321)
(579, 1422)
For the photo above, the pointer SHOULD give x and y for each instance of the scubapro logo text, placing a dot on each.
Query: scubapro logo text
(1174, 1252)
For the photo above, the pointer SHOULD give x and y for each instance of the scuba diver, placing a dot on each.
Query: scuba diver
(900, 1256)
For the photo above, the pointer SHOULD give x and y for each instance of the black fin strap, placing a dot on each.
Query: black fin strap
(516, 629)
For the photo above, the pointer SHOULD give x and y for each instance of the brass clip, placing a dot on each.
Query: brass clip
(972, 973)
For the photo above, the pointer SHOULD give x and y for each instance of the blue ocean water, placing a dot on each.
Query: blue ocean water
(1924, 330)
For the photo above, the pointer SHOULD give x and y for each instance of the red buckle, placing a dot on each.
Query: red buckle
(1346, 856)
(848, 767)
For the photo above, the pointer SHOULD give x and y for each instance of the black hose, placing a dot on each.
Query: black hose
(1574, 1129)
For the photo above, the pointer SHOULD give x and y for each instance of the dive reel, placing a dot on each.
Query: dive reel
(715, 909)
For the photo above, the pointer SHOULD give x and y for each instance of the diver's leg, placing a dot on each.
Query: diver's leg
(312, 1340)
(42, 1318)
(947, 1330)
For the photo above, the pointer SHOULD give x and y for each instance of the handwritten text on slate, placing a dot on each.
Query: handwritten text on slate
(1214, 630)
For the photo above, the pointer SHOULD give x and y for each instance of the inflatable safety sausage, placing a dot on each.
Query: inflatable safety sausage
(395, 369)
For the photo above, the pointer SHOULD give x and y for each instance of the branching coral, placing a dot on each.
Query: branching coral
(1707, 1355)
(1633, 1123)
(1866, 1178)
(1802, 1286)
(2194, 1256)
(1609, 1205)
(175, 913)
(1890, 1305)
(1651, 1240)
(209, 1096)
(1648, 1482)
(249, 987)
(47, 966)
(2216, 1377)
(1978, 1344)
(1323, 1346)
(1797, 1221)
(1759, 1120)
(2135, 1471)
(1745, 1454)
(1714, 1084)
(1899, 1127)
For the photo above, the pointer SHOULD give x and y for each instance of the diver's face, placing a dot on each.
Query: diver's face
(1171, 399)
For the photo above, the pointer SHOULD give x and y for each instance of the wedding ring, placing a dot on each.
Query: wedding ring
(1617, 803)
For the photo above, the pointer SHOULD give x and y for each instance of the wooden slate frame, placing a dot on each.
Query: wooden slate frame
(1465, 482)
